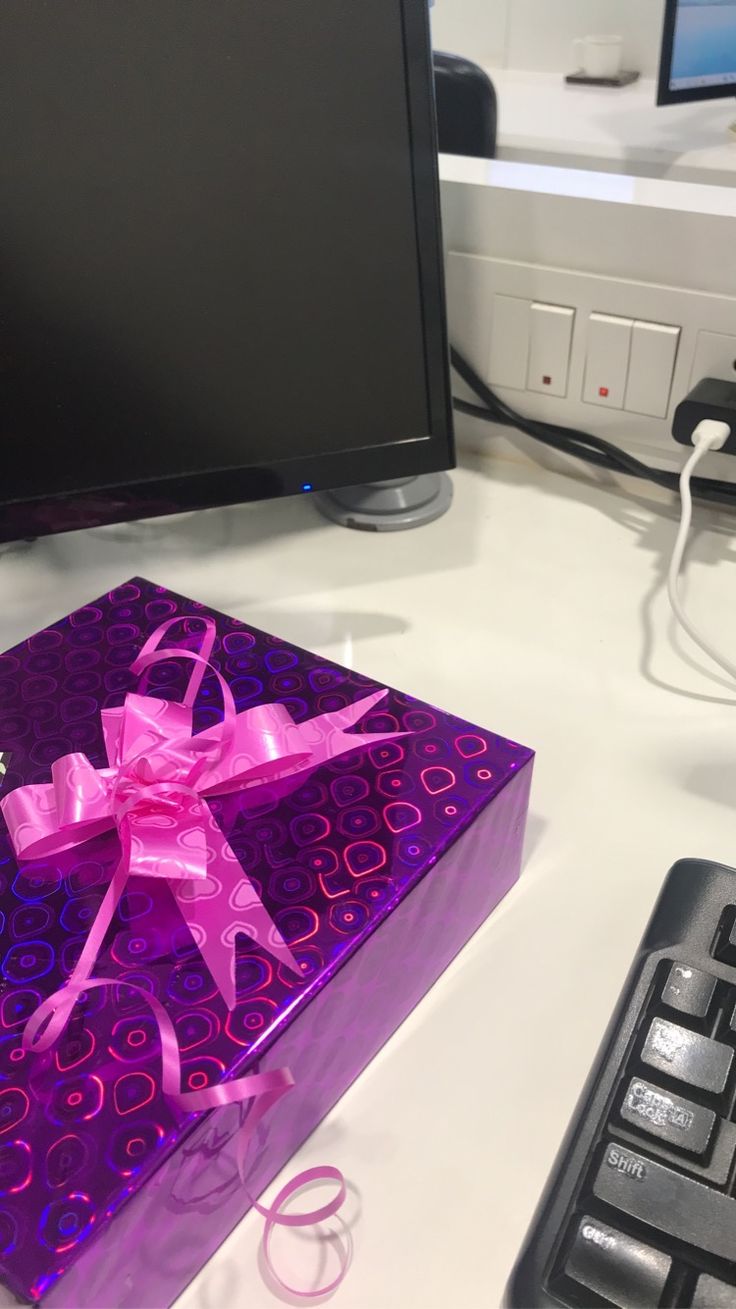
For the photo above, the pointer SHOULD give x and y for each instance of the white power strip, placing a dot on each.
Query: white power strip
(644, 250)
(496, 341)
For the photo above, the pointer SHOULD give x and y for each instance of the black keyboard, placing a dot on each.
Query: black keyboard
(640, 1209)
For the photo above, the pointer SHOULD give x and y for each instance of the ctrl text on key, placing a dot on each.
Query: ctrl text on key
(597, 1236)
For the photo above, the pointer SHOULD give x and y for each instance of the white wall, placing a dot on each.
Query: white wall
(541, 31)
(538, 34)
(476, 28)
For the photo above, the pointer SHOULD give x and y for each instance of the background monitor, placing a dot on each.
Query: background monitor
(698, 51)
(220, 254)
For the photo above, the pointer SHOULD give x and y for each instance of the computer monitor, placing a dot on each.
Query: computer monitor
(220, 254)
(698, 51)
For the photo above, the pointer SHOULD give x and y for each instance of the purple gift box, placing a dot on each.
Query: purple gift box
(375, 866)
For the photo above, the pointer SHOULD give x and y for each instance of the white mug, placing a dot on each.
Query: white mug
(599, 56)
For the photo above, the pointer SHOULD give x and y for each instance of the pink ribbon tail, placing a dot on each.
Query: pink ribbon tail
(265, 1089)
(51, 1017)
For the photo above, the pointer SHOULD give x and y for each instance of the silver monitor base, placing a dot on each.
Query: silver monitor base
(388, 506)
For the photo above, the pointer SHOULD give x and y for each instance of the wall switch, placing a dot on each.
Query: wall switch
(651, 369)
(624, 337)
(607, 362)
(715, 356)
(549, 350)
(510, 332)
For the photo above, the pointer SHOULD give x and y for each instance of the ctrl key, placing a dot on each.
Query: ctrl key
(711, 1293)
(617, 1267)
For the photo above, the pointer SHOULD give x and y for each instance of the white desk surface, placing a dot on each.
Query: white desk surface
(535, 607)
(543, 120)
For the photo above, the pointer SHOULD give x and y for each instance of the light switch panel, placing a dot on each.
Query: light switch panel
(510, 342)
(549, 349)
(651, 368)
(607, 362)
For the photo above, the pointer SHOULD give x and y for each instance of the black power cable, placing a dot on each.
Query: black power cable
(582, 445)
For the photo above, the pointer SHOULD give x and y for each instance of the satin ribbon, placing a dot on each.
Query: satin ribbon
(153, 794)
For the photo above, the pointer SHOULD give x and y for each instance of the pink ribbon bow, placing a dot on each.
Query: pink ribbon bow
(154, 793)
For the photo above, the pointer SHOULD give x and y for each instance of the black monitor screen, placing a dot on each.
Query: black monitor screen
(699, 59)
(210, 245)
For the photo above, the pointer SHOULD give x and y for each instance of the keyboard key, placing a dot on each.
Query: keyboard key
(666, 1115)
(688, 1056)
(668, 1201)
(710, 1293)
(726, 948)
(689, 991)
(621, 1270)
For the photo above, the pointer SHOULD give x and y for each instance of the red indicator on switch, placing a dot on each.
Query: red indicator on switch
(547, 381)
(604, 392)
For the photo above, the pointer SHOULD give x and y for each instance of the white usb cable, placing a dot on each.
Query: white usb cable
(708, 435)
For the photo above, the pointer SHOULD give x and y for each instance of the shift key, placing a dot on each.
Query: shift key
(668, 1201)
(688, 1056)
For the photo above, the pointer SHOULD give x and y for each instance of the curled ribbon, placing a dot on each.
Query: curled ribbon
(153, 794)
(275, 1217)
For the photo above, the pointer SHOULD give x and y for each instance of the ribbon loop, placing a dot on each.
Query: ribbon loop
(276, 1218)
(46, 1024)
(141, 663)
(219, 737)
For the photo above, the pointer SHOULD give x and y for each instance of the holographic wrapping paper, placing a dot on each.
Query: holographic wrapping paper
(88, 1142)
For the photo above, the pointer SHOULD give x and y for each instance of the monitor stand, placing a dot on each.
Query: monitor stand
(391, 506)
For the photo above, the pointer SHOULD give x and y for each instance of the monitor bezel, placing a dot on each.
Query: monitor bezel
(665, 94)
(43, 515)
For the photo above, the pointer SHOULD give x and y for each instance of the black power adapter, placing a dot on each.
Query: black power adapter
(711, 398)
